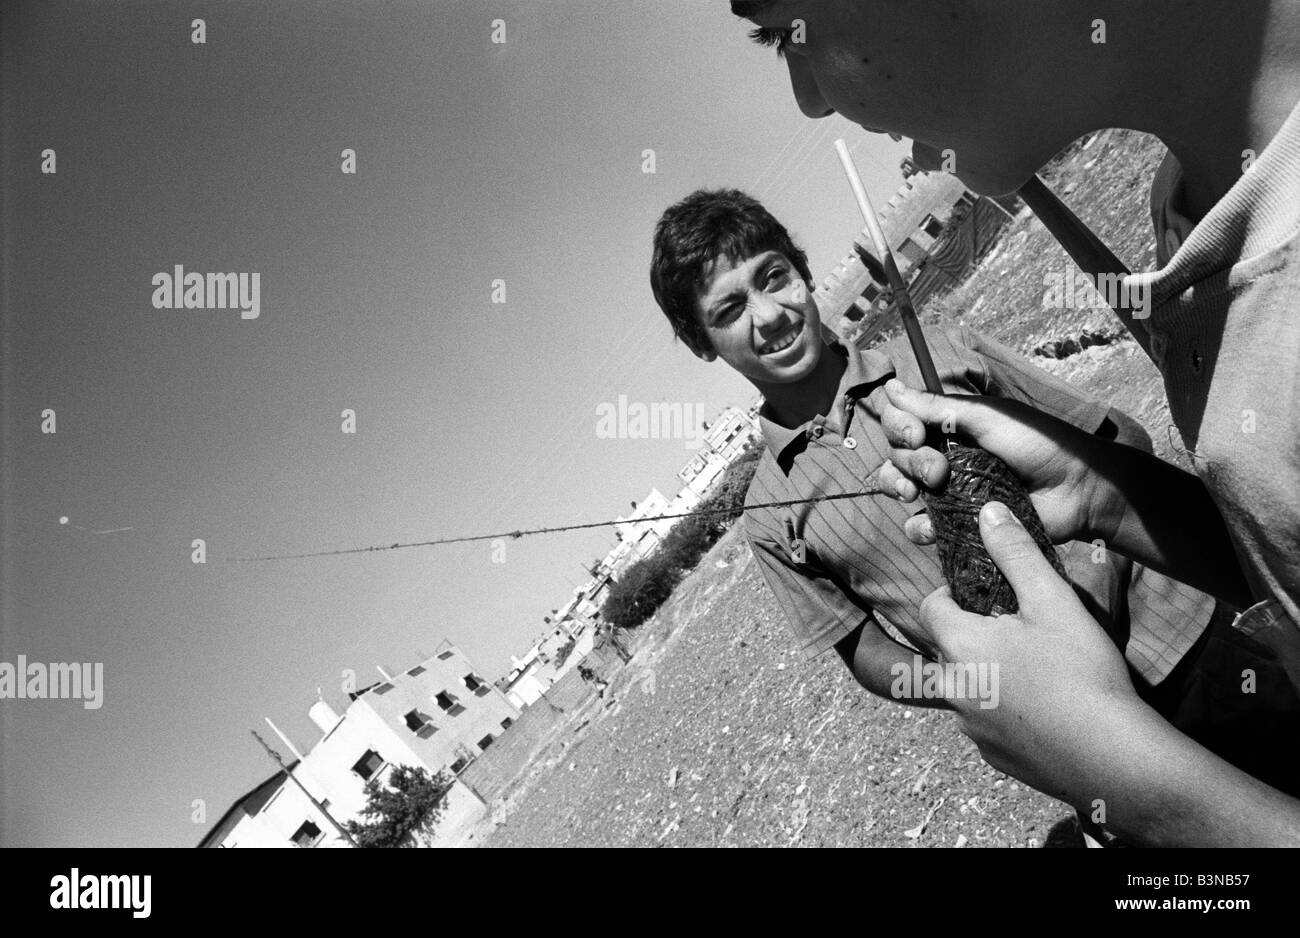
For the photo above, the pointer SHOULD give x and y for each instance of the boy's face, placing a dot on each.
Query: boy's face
(944, 72)
(761, 319)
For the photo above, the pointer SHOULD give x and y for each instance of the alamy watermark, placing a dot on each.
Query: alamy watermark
(660, 420)
(179, 290)
(78, 891)
(55, 681)
(949, 680)
(1073, 289)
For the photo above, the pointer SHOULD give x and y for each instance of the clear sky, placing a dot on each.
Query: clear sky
(476, 161)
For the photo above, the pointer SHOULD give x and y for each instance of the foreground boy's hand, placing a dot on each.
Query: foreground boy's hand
(1082, 486)
(1069, 723)
(1054, 458)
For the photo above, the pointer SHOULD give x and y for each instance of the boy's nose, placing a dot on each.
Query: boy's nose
(806, 92)
(769, 312)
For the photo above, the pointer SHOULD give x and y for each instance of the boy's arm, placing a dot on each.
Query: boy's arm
(821, 615)
(878, 662)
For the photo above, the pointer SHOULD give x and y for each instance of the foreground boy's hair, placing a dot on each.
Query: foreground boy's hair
(693, 233)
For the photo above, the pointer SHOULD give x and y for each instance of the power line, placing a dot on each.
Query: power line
(553, 530)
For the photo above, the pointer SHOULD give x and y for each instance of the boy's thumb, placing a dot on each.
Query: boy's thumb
(1018, 556)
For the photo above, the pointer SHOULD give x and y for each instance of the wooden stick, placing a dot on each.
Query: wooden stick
(906, 311)
(1087, 250)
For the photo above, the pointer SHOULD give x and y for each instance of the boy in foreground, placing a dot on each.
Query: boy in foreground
(1219, 84)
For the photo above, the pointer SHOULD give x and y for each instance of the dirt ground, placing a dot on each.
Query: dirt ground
(718, 734)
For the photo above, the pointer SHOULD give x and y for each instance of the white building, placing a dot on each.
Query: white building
(725, 439)
(570, 638)
(438, 715)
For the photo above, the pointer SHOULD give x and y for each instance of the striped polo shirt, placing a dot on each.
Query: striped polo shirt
(832, 564)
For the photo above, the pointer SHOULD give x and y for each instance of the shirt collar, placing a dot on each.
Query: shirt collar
(862, 369)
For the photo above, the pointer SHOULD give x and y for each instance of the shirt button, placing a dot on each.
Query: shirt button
(815, 433)
(1197, 361)
(850, 443)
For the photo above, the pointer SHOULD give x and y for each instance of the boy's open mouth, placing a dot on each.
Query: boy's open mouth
(783, 341)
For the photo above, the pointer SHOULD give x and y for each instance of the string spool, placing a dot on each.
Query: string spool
(977, 477)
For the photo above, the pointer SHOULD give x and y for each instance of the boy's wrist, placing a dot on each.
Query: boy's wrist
(1107, 509)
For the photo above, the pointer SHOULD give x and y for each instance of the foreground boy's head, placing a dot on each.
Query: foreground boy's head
(734, 286)
(1001, 84)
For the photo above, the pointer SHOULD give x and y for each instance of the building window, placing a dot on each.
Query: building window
(932, 226)
(485, 742)
(308, 835)
(445, 655)
(419, 724)
(418, 669)
(459, 765)
(507, 723)
(448, 703)
(471, 682)
(368, 765)
(383, 688)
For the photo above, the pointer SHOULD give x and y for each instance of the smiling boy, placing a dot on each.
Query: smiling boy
(734, 286)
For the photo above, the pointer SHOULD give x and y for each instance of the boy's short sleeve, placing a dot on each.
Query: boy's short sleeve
(1011, 375)
(817, 611)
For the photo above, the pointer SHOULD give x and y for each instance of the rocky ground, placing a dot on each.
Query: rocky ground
(718, 734)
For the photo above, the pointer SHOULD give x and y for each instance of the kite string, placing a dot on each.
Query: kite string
(551, 530)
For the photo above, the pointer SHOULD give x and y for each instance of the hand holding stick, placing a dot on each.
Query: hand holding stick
(975, 476)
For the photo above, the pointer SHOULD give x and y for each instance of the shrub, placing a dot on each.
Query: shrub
(641, 590)
(645, 585)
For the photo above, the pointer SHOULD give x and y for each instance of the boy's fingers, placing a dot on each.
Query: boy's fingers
(927, 407)
(958, 413)
(902, 429)
(893, 483)
(925, 466)
(946, 622)
(919, 529)
(1021, 560)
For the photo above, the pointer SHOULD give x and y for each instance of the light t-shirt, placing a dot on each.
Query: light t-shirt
(1224, 330)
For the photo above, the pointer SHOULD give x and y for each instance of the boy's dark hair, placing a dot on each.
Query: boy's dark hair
(693, 233)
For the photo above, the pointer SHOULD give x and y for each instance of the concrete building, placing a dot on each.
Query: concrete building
(549, 659)
(725, 439)
(936, 228)
(438, 715)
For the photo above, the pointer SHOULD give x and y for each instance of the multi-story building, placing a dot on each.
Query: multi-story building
(936, 229)
(725, 439)
(438, 715)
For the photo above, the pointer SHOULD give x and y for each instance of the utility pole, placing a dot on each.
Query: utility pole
(319, 807)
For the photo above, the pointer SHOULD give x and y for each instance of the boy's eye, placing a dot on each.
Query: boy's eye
(772, 38)
(728, 313)
(776, 277)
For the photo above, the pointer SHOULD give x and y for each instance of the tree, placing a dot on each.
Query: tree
(409, 804)
(639, 592)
